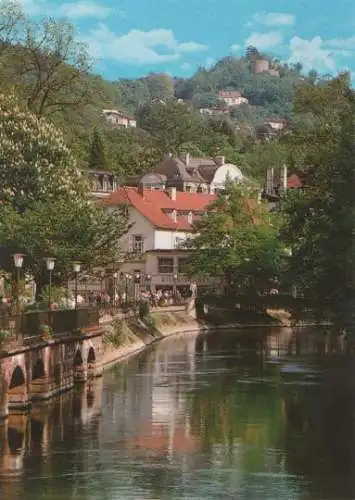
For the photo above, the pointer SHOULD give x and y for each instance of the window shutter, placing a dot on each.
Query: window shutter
(130, 243)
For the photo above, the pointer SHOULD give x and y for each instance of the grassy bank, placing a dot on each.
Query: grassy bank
(127, 336)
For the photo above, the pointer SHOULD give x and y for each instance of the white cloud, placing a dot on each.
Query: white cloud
(312, 54)
(264, 41)
(138, 47)
(342, 43)
(185, 66)
(72, 10)
(84, 9)
(235, 47)
(274, 19)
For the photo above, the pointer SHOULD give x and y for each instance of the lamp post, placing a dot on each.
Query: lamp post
(137, 282)
(18, 263)
(115, 276)
(50, 261)
(175, 278)
(76, 269)
(127, 277)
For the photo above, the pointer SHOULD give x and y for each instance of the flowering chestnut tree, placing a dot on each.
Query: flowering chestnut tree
(35, 163)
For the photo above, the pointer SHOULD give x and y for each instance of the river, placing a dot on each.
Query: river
(221, 416)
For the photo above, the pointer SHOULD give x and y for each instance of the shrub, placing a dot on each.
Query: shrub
(143, 309)
(4, 334)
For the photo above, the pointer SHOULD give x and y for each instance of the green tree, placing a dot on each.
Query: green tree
(97, 156)
(35, 163)
(171, 124)
(238, 240)
(45, 206)
(63, 230)
(45, 61)
(320, 218)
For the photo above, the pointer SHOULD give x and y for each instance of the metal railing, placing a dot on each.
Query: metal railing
(61, 321)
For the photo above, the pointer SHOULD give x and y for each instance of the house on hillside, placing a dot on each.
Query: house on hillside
(161, 221)
(189, 174)
(232, 98)
(277, 123)
(119, 118)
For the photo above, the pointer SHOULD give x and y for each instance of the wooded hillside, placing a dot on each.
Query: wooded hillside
(53, 74)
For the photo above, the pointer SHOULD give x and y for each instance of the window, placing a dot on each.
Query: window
(182, 265)
(137, 243)
(189, 218)
(178, 242)
(165, 265)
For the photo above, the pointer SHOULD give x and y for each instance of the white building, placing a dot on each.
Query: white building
(119, 119)
(232, 97)
(161, 222)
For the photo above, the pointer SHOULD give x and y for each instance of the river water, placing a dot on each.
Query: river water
(222, 416)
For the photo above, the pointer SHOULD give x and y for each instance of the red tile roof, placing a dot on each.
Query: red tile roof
(294, 181)
(152, 205)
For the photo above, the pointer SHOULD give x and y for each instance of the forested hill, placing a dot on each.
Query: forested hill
(268, 93)
(164, 125)
(51, 71)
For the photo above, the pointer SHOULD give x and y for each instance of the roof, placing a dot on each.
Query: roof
(229, 93)
(174, 168)
(294, 181)
(122, 114)
(153, 204)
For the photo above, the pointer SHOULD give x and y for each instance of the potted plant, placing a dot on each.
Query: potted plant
(46, 332)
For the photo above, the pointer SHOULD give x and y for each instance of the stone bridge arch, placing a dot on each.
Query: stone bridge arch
(79, 366)
(17, 392)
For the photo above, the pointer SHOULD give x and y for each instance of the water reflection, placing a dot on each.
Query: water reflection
(219, 416)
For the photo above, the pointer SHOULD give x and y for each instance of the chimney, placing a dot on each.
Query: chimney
(185, 158)
(283, 178)
(269, 181)
(141, 189)
(220, 160)
(171, 192)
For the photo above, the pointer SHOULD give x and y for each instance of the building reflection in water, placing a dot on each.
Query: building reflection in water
(232, 405)
(26, 439)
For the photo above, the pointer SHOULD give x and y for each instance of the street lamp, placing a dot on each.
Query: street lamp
(175, 278)
(127, 277)
(115, 276)
(50, 261)
(137, 282)
(148, 279)
(18, 262)
(76, 269)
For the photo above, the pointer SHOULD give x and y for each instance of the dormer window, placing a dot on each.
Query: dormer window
(174, 215)
(189, 218)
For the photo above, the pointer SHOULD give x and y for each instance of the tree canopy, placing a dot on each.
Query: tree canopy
(237, 240)
(320, 218)
(45, 207)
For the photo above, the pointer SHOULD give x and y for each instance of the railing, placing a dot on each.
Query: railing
(61, 321)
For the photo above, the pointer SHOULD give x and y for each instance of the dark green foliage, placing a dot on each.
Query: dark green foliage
(97, 158)
(320, 218)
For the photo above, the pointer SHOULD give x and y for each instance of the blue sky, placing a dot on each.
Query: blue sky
(129, 38)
